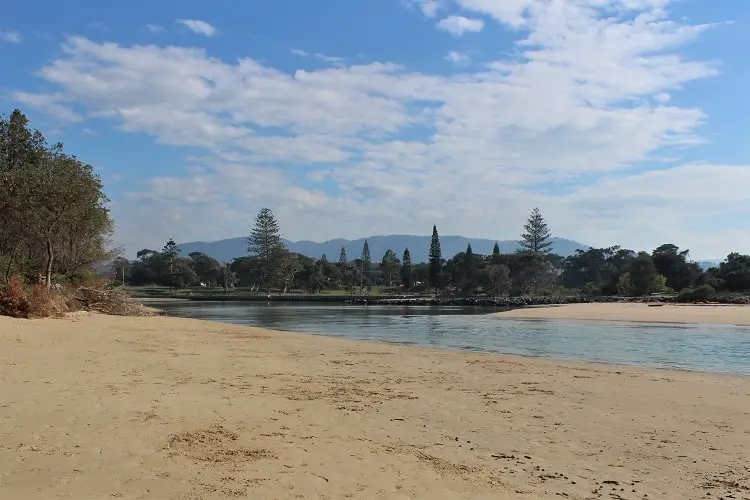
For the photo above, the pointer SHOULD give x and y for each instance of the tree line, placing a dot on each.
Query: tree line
(532, 270)
(54, 218)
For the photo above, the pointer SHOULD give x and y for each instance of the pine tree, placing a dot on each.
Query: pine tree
(468, 267)
(366, 260)
(265, 243)
(342, 258)
(496, 250)
(536, 239)
(343, 266)
(435, 260)
(324, 259)
(407, 273)
(170, 251)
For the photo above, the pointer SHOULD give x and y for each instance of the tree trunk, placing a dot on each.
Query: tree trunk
(11, 258)
(50, 259)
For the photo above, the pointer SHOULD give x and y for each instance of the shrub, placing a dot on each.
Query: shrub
(41, 302)
(659, 284)
(703, 292)
(37, 301)
(625, 285)
(13, 301)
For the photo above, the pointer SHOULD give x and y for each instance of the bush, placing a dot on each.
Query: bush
(625, 285)
(659, 284)
(36, 301)
(13, 300)
(703, 292)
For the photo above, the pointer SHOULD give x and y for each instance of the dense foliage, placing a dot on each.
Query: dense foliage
(593, 272)
(54, 219)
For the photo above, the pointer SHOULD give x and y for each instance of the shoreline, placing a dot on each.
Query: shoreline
(97, 406)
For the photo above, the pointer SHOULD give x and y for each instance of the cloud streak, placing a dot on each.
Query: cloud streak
(198, 26)
(13, 37)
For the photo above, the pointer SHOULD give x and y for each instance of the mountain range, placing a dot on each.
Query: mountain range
(419, 247)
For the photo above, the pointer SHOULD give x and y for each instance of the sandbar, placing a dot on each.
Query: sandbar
(717, 314)
(95, 407)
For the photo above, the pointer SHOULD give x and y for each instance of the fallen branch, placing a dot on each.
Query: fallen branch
(112, 301)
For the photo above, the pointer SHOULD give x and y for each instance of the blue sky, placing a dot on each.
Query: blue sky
(623, 120)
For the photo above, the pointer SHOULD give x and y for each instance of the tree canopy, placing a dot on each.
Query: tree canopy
(536, 238)
(54, 214)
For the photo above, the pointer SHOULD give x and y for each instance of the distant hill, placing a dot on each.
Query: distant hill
(419, 247)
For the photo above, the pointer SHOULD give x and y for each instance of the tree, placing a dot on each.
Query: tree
(21, 151)
(207, 269)
(625, 285)
(288, 265)
(536, 239)
(366, 260)
(595, 271)
(734, 272)
(407, 273)
(644, 278)
(170, 252)
(673, 265)
(265, 243)
(529, 272)
(55, 216)
(343, 261)
(343, 265)
(495, 279)
(469, 269)
(495, 250)
(389, 266)
(435, 261)
(365, 263)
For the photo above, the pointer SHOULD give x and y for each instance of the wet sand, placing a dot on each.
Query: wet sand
(667, 313)
(96, 407)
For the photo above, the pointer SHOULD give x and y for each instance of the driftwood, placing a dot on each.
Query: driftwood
(112, 301)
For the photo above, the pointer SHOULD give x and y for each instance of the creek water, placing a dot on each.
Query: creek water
(711, 348)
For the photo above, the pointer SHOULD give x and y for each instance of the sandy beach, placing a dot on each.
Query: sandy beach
(95, 407)
(667, 313)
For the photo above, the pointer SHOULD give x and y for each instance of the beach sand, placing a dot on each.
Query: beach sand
(96, 407)
(666, 313)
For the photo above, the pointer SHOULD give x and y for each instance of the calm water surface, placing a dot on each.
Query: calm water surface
(714, 348)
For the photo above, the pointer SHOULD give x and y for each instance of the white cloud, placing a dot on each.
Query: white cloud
(155, 28)
(458, 25)
(578, 106)
(198, 26)
(11, 36)
(332, 60)
(429, 8)
(458, 58)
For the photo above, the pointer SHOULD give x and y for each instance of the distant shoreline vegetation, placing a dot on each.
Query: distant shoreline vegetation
(271, 269)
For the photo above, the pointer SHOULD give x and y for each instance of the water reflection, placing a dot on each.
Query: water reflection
(696, 347)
